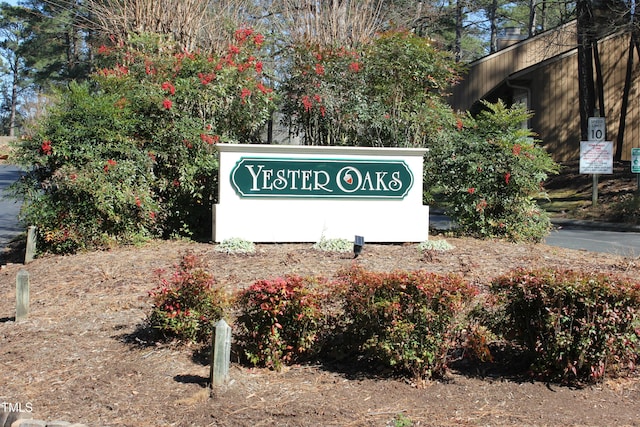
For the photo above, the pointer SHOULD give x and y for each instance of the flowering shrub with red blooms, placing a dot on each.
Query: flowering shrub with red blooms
(46, 147)
(489, 172)
(576, 326)
(403, 319)
(87, 184)
(187, 304)
(280, 320)
(388, 92)
(155, 111)
(195, 97)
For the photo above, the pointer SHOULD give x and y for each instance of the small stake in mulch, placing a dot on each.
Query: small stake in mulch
(220, 354)
(22, 295)
(31, 245)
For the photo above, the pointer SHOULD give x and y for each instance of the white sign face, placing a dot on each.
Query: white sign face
(596, 157)
(597, 129)
(295, 193)
(635, 160)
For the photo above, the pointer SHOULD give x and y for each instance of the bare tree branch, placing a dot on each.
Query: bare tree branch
(333, 22)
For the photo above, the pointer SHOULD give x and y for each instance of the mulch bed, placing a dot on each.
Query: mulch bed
(82, 357)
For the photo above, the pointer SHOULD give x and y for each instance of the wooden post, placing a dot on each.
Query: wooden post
(22, 295)
(220, 354)
(31, 245)
(594, 191)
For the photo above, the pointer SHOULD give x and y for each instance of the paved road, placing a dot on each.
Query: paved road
(625, 243)
(571, 235)
(9, 208)
(579, 235)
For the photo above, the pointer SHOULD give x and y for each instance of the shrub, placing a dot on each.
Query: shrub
(404, 319)
(279, 320)
(333, 245)
(236, 245)
(490, 170)
(388, 92)
(185, 103)
(626, 208)
(188, 304)
(435, 245)
(88, 185)
(577, 326)
(134, 147)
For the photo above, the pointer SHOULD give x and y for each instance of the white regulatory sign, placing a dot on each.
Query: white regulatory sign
(596, 129)
(596, 157)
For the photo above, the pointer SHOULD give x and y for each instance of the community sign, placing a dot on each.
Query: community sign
(324, 178)
(285, 193)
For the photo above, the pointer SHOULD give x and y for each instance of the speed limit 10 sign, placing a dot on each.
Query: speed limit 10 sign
(596, 129)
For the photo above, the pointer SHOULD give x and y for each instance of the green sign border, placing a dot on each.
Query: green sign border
(400, 164)
(635, 155)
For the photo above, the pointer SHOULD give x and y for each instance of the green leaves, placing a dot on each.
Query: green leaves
(403, 319)
(388, 92)
(490, 170)
(577, 326)
(280, 320)
(133, 148)
(187, 305)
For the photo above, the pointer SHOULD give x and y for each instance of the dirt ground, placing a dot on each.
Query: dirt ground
(78, 357)
(571, 194)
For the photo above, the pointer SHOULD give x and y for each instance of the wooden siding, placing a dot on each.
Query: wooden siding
(487, 73)
(550, 75)
(554, 103)
(614, 53)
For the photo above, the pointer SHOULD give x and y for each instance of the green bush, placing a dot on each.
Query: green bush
(403, 319)
(626, 208)
(388, 92)
(280, 320)
(130, 154)
(576, 326)
(188, 304)
(185, 103)
(88, 183)
(490, 170)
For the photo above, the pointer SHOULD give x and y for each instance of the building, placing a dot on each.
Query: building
(542, 72)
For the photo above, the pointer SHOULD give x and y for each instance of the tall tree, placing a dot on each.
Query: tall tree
(595, 20)
(333, 22)
(204, 25)
(586, 85)
(454, 25)
(58, 50)
(43, 45)
(15, 33)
